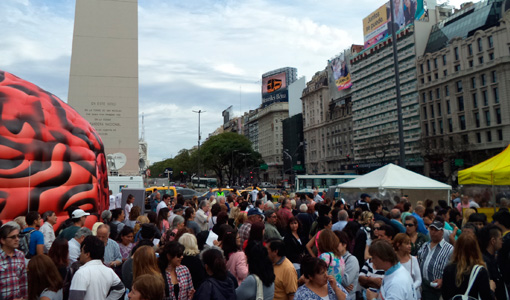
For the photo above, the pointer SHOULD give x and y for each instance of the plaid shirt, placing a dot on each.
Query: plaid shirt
(13, 275)
(185, 283)
(244, 232)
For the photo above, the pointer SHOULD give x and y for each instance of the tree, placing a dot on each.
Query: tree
(227, 153)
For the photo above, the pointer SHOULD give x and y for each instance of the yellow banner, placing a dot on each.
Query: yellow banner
(375, 20)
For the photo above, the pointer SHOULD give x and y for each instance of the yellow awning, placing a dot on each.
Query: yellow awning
(494, 171)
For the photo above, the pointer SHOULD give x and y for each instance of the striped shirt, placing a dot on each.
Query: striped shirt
(433, 261)
(368, 270)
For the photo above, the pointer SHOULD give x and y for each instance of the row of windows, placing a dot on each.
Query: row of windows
(459, 86)
(462, 122)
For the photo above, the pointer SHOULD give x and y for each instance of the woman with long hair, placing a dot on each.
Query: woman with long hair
(163, 219)
(235, 257)
(145, 262)
(256, 234)
(59, 254)
(178, 282)
(323, 222)
(191, 259)
(456, 275)
(133, 215)
(219, 285)
(350, 279)
(126, 237)
(189, 220)
(402, 246)
(260, 268)
(147, 287)
(417, 238)
(328, 246)
(294, 242)
(319, 284)
(44, 279)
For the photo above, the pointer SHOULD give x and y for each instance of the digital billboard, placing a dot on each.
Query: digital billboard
(274, 83)
(378, 25)
(340, 71)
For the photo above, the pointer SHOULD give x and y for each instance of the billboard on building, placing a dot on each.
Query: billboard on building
(378, 25)
(274, 83)
(340, 71)
(227, 115)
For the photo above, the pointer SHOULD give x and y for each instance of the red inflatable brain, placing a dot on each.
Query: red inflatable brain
(50, 156)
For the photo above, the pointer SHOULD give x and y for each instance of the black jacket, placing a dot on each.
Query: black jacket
(481, 286)
(495, 274)
(294, 250)
(215, 289)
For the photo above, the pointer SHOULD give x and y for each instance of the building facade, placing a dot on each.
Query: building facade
(464, 91)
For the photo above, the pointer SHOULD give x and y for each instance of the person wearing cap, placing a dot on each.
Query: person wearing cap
(363, 202)
(254, 215)
(78, 217)
(433, 257)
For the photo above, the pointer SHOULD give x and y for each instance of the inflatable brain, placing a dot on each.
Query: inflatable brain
(50, 157)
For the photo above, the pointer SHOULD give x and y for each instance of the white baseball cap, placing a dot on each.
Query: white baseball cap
(78, 213)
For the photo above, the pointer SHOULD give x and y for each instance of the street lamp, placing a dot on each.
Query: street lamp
(198, 153)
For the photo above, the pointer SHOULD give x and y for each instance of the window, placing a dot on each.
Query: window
(428, 65)
(448, 110)
(477, 120)
(460, 103)
(439, 112)
(421, 68)
(487, 118)
(444, 60)
(456, 53)
(473, 82)
(475, 101)
(495, 91)
(459, 86)
(491, 41)
(494, 76)
(462, 122)
(457, 68)
(438, 94)
(435, 63)
(498, 115)
(483, 79)
(436, 76)
(424, 97)
(422, 81)
(491, 56)
(480, 60)
(427, 129)
(470, 49)
(445, 72)
(489, 136)
(485, 98)
(450, 125)
(425, 112)
(432, 111)
(429, 78)
(471, 63)
(440, 126)
(446, 91)
(465, 138)
(500, 134)
(478, 137)
(480, 48)
(431, 96)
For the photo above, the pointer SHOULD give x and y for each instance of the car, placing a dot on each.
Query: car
(266, 185)
(172, 191)
(188, 193)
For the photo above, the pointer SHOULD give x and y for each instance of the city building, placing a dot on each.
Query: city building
(374, 107)
(463, 76)
(103, 82)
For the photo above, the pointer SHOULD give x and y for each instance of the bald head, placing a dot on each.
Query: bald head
(343, 215)
(395, 214)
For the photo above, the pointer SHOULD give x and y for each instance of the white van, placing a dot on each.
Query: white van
(117, 183)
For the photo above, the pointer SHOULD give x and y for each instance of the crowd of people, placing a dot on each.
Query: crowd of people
(251, 247)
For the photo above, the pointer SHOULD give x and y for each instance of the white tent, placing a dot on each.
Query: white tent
(392, 177)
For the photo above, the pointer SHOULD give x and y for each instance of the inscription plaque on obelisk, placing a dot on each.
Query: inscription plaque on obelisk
(103, 83)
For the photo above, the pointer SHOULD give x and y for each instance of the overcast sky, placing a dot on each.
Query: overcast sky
(193, 55)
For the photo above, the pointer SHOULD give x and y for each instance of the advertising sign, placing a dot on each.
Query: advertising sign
(378, 25)
(280, 96)
(273, 83)
(340, 71)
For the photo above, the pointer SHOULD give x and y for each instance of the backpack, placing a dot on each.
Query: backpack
(24, 243)
(472, 278)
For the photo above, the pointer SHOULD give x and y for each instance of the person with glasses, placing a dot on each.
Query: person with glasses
(178, 282)
(13, 274)
(417, 238)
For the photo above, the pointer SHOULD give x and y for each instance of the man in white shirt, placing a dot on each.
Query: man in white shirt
(93, 280)
(203, 215)
(253, 194)
(112, 201)
(118, 200)
(75, 244)
(164, 203)
(316, 197)
(50, 219)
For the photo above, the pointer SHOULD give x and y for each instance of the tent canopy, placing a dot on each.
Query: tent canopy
(494, 171)
(394, 177)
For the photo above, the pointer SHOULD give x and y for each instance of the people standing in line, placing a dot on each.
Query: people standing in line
(220, 284)
(350, 277)
(491, 241)
(328, 246)
(36, 237)
(13, 276)
(285, 283)
(456, 276)
(418, 213)
(417, 239)
(78, 218)
(343, 217)
(126, 237)
(94, 280)
(363, 202)
(235, 258)
(117, 223)
(147, 287)
(189, 220)
(50, 219)
(163, 219)
(45, 280)
(164, 203)
(433, 257)
(177, 278)
(112, 200)
(59, 254)
(129, 205)
(254, 215)
(271, 232)
(133, 215)
(260, 268)
(402, 246)
(112, 256)
(294, 243)
(191, 259)
(319, 284)
(75, 244)
(203, 215)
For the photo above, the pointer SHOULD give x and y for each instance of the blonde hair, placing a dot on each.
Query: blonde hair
(189, 241)
(365, 216)
(241, 218)
(145, 262)
(467, 254)
(465, 216)
(139, 221)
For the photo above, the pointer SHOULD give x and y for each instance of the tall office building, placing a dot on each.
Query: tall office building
(103, 84)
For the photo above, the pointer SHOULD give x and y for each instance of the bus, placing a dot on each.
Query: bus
(204, 182)
(321, 182)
